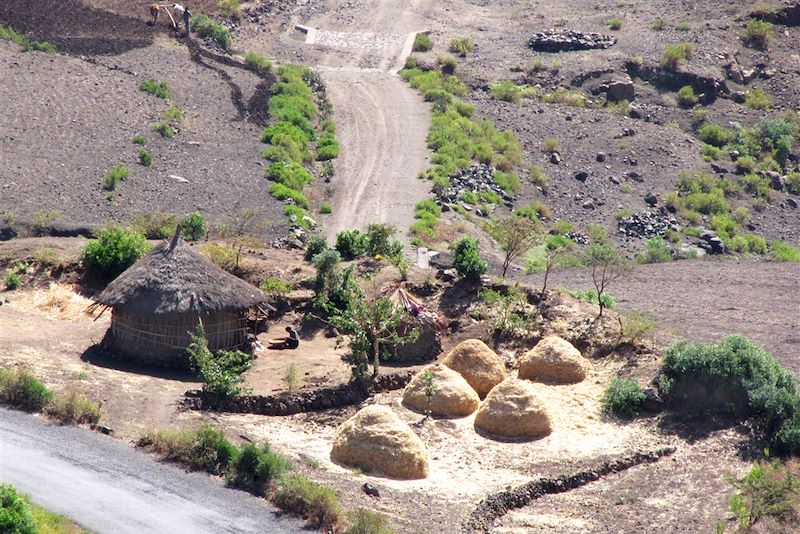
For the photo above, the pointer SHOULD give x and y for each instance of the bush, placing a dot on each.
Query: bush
(758, 34)
(658, 251)
(114, 250)
(758, 99)
(12, 281)
(164, 129)
(363, 521)
(769, 489)
(74, 408)
(466, 258)
(710, 153)
(538, 178)
(675, 55)
(590, 296)
(714, 135)
(174, 115)
(205, 448)
(139, 140)
(292, 175)
(20, 389)
(659, 24)
(638, 325)
(222, 257)
(257, 62)
(15, 515)
(255, 468)
(422, 43)
(194, 226)
(351, 244)
(614, 24)
(785, 252)
(145, 158)
(230, 8)
(314, 246)
(793, 182)
(155, 88)
(204, 27)
(156, 224)
(275, 287)
(221, 371)
(623, 397)
(736, 376)
(506, 90)
(327, 148)
(325, 208)
(551, 144)
(686, 96)
(114, 176)
(282, 192)
(448, 64)
(461, 47)
(27, 45)
(508, 182)
(316, 503)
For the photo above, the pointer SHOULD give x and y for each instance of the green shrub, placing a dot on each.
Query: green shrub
(351, 244)
(20, 389)
(422, 43)
(552, 144)
(114, 176)
(467, 259)
(659, 24)
(194, 226)
(461, 47)
(614, 24)
(538, 178)
(155, 88)
(12, 281)
(327, 148)
(255, 468)
(73, 407)
(758, 99)
(164, 129)
(758, 34)
(155, 224)
(314, 246)
(793, 182)
(230, 8)
(318, 504)
(590, 296)
(282, 192)
(174, 115)
(638, 325)
(658, 251)
(736, 376)
(114, 250)
(139, 140)
(145, 157)
(769, 489)
(623, 397)
(325, 208)
(683, 27)
(686, 97)
(275, 287)
(447, 63)
(508, 182)
(379, 241)
(714, 135)
(507, 91)
(257, 62)
(221, 371)
(292, 175)
(7, 33)
(205, 27)
(566, 97)
(222, 257)
(15, 514)
(757, 185)
(363, 521)
(710, 153)
(785, 252)
(205, 448)
(675, 55)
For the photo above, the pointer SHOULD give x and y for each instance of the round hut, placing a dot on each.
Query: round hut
(166, 295)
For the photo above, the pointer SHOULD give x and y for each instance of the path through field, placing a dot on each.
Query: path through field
(381, 122)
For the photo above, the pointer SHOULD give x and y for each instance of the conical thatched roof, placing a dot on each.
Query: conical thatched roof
(175, 279)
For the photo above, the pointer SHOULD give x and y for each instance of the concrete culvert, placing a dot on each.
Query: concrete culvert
(478, 364)
(514, 410)
(453, 396)
(376, 440)
(553, 360)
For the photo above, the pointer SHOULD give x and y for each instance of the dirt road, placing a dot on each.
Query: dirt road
(381, 122)
(106, 486)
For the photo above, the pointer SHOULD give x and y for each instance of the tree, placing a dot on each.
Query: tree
(114, 250)
(220, 372)
(371, 321)
(429, 379)
(290, 376)
(244, 227)
(557, 250)
(515, 235)
(608, 265)
(467, 259)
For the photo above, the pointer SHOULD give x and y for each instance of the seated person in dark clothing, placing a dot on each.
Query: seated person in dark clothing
(292, 341)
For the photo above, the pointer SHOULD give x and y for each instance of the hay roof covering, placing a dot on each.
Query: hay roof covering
(175, 279)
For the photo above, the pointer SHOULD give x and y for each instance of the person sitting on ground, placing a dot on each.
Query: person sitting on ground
(292, 341)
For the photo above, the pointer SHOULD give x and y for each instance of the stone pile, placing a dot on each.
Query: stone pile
(560, 40)
(477, 179)
(647, 224)
(578, 238)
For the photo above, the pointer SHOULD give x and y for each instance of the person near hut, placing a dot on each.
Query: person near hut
(292, 341)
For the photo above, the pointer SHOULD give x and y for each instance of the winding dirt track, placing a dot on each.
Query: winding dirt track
(381, 122)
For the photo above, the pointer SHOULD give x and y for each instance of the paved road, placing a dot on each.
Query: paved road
(108, 487)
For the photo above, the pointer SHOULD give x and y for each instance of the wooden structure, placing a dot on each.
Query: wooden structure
(165, 295)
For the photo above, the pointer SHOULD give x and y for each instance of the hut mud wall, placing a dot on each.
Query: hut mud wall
(161, 340)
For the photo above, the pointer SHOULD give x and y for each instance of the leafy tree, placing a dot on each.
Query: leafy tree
(114, 250)
(15, 516)
(467, 259)
(769, 489)
(608, 265)
(194, 226)
(220, 372)
(515, 236)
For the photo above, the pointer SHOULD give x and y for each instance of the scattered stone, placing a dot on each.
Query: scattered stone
(480, 366)
(792, 203)
(646, 225)
(371, 490)
(588, 205)
(651, 199)
(514, 410)
(582, 176)
(454, 397)
(476, 179)
(553, 360)
(618, 89)
(600, 157)
(614, 180)
(579, 239)
(560, 40)
(635, 176)
(555, 158)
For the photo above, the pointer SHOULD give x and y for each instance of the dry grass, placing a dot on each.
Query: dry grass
(58, 301)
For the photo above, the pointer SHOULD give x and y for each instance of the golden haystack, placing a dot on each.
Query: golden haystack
(452, 397)
(553, 360)
(513, 410)
(376, 440)
(478, 364)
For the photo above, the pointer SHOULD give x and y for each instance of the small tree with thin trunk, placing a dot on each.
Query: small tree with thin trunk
(515, 235)
(429, 379)
(608, 265)
(244, 227)
(557, 254)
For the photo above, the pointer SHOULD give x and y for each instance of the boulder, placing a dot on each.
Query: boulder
(553, 360)
(376, 440)
(478, 364)
(453, 396)
(514, 410)
(618, 89)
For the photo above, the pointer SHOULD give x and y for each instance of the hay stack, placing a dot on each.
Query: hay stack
(478, 364)
(553, 360)
(454, 397)
(375, 439)
(513, 410)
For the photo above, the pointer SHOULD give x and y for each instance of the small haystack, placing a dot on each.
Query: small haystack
(165, 295)
(452, 395)
(554, 360)
(513, 410)
(478, 364)
(376, 440)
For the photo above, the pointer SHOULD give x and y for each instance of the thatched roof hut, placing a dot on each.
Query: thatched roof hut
(165, 295)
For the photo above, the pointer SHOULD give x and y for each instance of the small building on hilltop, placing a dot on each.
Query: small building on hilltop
(165, 295)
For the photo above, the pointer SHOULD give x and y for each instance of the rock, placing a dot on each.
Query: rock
(738, 96)
(478, 364)
(776, 179)
(371, 490)
(581, 176)
(588, 205)
(635, 113)
(375, 439)
(712, 243)
(553, 360)
(555, 158)
(719, 169)
(651, 199)
(600, 157)
(558, 40)
(614, 180)
(635, 176)
(619, 89)
(644, 225)
(791, 202)
(514, 410)
(652, 402)
(453, 397)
